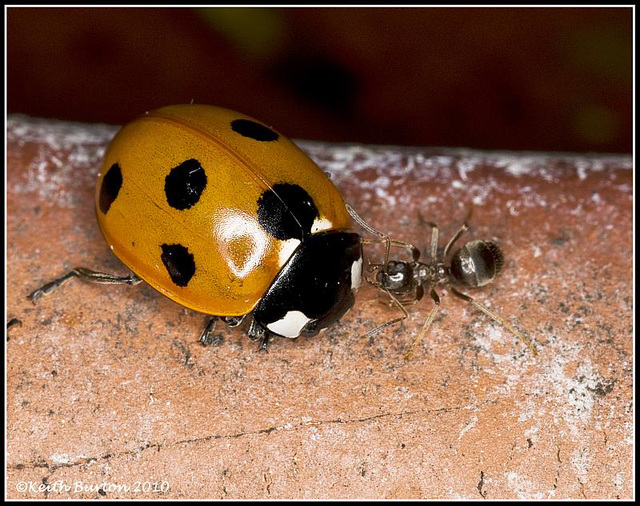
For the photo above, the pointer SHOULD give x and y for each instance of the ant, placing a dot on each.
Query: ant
(475, 264)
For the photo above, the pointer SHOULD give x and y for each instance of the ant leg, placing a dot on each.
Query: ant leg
(417, 297)
(463, 229)
(427, 323)
(496, 318)
(383, 238)
(457, 235)
(88, 275)
(413, 299)
(434, 239)
(468, 218)
(390, 322)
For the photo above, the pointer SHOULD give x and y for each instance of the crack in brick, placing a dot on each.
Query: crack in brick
(84, 461)
(52, 467)
(555, 481)
(483, 493)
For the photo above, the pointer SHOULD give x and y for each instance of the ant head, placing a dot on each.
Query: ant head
(397, 277)
(477, 263)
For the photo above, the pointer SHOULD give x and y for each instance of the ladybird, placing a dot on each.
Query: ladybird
(226, 216)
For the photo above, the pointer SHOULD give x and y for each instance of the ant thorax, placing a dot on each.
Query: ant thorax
(404, 277)
(435, 273)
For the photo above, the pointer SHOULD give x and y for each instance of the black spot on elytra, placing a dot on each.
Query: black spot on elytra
(286, 211)
(184, 184)
(179, 263)
(111, 184)
(253, 130)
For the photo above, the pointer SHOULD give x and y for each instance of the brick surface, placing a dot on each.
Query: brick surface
(110, 395)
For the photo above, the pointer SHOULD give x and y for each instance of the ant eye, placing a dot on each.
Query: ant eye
(477, 263)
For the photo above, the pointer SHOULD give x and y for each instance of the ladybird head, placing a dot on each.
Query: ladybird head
(315, 288)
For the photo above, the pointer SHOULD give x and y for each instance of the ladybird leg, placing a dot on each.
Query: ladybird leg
(257, 332)
(264, 342)
(427, 323)
(88, 275)
(206, 337)
(233, 321)
(13, 322)
(496, 318)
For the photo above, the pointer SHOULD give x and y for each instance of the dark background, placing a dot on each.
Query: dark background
(494, 78)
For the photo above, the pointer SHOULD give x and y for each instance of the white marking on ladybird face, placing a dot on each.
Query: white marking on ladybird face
(320, 224)
(356, 274)
(290, 325)
(286, 250)
(241, 240)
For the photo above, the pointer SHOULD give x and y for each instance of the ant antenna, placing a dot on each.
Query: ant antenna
(383, 238)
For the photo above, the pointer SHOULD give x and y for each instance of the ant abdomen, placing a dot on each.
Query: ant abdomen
(477, 263)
